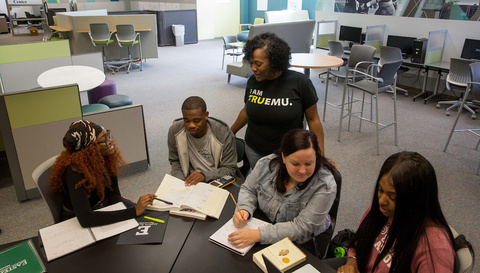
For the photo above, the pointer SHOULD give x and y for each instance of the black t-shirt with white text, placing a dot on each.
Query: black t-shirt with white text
(274, 107)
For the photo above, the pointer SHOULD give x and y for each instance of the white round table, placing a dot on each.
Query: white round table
(86, 77)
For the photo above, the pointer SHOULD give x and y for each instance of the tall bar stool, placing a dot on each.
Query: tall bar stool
(100, 36)
(127, 37)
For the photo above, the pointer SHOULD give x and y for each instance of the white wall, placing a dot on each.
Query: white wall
(413, 27)
(217, 18)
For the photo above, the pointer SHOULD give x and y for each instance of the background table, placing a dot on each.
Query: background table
(86, 77)
(308, 61)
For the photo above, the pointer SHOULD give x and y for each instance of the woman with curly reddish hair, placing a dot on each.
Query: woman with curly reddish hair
(276, 99)
(86, 175)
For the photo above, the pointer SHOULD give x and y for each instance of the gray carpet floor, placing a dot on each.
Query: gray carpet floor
(195, 69)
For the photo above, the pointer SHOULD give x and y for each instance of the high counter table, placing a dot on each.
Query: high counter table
(308, 61)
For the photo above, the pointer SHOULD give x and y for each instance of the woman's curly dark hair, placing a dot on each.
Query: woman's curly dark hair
(278, 51)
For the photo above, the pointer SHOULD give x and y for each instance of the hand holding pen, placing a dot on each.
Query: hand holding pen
(240, 218)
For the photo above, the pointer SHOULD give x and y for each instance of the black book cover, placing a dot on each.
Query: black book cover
(148, 231)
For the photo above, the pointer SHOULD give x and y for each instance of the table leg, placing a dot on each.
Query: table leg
(306, 71)
(424, 87)
(435, 91)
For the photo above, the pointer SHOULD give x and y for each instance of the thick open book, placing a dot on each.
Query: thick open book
(202, 198)
(69, 236)
(220, 237)
(283, 254)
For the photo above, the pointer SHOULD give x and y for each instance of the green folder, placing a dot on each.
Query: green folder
(21, 258)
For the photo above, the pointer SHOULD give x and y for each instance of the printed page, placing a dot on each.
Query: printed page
(173, 190)
(220, 237)
(207, 199)
(106, 231)
(64, 238)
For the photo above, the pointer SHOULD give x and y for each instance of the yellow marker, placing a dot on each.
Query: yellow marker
(154, 219)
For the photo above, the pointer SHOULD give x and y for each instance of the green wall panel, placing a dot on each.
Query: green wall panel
(34, 51)
(43, 106)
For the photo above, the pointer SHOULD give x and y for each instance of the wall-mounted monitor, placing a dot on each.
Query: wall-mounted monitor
(351, 34)
(471, 49)
(404, 43)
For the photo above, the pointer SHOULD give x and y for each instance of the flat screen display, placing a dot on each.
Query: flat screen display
(352, 34)
(404, 43)
(471, 49)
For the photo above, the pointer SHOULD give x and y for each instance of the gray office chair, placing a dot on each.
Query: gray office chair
(472, 87)
(48, 33)
(335, 48)
(464, 255)
(127, 37)
(392, 54)
(41, 176)
(230, 50)
(361, 57)
(457, 78)
(372, 85)
(100, 35)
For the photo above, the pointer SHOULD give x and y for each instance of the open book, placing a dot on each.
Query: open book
(202, 198)
(220, 237)
(283, 254)
(69, 236)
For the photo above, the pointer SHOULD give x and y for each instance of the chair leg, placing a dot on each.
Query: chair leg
(361, 113)
(376, 123)
(229, 76)
(395, 112)
(341, 112)
(350, 107)
(456, 120)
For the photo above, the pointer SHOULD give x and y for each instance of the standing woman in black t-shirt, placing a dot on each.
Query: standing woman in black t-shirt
(276, 98)
(85, 173)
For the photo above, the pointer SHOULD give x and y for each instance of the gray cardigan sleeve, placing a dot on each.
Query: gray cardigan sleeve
(173, 156)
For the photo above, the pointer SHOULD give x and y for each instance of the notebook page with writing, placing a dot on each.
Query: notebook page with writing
(220, 237)
(64, 238)
(106, 231)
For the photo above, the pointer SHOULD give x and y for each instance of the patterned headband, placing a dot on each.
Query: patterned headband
(81, 134)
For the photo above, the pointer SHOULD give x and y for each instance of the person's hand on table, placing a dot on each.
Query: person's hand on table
(194, 178)
(350, 267)
(244, 237)
(240, 221)
(143, 202)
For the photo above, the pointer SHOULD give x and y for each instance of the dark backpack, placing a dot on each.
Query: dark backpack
(339, 244)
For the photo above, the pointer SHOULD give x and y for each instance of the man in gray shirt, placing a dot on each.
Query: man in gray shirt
(201, 148)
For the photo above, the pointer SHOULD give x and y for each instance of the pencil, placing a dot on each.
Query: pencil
(236, 205)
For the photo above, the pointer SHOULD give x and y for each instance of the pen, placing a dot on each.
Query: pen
(236, 205)
(154, 219)
(166, 202)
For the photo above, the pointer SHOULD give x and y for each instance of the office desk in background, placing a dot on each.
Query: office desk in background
(185, 248)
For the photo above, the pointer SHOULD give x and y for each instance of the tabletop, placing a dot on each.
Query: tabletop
(237, 44)
(185, 248)
(86, 77)
(60, 29)
(308, 60)
(112, 30)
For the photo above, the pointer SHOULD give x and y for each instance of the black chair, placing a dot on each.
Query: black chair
(241, 156)
(33, 23)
